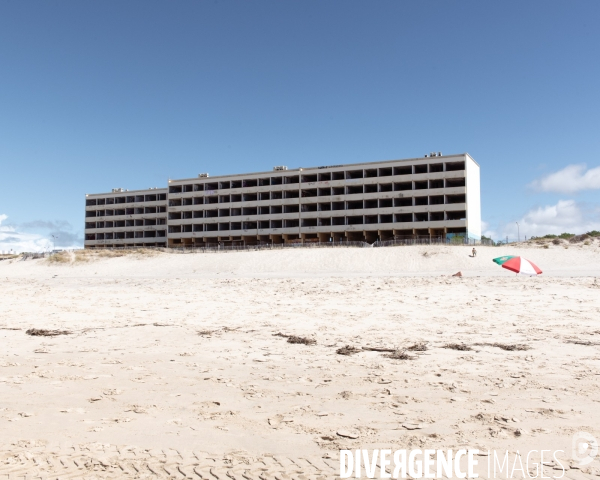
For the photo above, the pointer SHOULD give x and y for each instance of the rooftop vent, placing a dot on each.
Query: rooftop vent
(203, 175)
(116, 190)
(279, 168)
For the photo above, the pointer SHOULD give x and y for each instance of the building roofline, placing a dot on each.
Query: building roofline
(474, 161)
(126, 192)
(302, 169)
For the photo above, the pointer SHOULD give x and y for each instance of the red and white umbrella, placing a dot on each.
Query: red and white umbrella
(521, 265)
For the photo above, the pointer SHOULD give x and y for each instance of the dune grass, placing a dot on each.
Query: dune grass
(90, 255)
(59, 258)
(93, 254)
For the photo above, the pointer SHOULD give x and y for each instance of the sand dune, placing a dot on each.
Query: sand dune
(174, 361)
(576, 260)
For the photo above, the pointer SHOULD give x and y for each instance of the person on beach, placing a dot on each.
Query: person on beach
(474, 252)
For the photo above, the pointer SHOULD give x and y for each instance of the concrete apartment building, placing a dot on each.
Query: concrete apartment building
(435, 196)
(125, 218)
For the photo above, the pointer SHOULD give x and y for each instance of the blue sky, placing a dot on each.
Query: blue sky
(96, 95)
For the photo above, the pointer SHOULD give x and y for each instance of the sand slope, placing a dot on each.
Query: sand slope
(179, 353)
(576, 260)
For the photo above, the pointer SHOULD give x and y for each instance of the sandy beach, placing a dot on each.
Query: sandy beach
(183, 366)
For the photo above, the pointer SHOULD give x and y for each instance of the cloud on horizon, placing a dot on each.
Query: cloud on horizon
(28, 237)
(571, 179)
(43, 224)
(565, 216)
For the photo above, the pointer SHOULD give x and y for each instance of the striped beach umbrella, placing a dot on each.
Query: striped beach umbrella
(501, 260)
(521, 265)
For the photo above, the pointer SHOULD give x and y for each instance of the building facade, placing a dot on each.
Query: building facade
(125, 218)
(435, 196)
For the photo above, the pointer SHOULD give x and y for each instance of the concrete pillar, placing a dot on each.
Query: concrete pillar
(276, 239)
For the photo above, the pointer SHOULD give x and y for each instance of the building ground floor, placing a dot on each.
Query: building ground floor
(117, 244)
(252, 238)
(323, 234)
(368, 236)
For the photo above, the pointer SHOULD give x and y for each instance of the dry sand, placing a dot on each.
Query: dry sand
(173, 366)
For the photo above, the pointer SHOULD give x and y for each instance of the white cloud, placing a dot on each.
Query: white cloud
(565, 216)
(486, 231)
(571, 179)
(16, 239)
